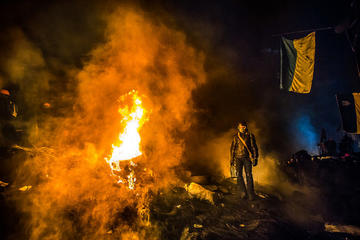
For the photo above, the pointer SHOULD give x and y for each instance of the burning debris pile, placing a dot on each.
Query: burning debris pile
(102, 145)
(129, 147)
(93, 166)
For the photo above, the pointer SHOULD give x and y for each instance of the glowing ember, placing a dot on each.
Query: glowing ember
(129, 146)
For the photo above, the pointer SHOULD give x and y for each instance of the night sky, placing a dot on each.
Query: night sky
(242, 59)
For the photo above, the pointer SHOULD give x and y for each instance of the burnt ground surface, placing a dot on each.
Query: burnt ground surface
(180, 215)
(267, 217)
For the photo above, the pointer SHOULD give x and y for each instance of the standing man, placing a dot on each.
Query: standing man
(244, 154)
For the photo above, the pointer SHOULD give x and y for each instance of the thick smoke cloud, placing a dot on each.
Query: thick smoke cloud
(69, 63)
(72, 131)
(23, 65)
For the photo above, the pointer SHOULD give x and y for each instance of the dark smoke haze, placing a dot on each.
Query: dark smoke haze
(203, 66)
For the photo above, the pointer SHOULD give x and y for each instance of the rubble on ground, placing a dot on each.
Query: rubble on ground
(183, 215)
(212, 209)
(353, 230)
(197, 191)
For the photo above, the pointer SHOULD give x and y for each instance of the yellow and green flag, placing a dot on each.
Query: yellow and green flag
(349, 106)
(297, 63)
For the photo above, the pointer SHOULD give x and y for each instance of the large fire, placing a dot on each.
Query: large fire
(72, 194)
(129, 140)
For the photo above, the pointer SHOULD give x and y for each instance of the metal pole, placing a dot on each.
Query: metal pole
(308, 30)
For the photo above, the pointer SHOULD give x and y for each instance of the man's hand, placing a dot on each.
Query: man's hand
(255, 162)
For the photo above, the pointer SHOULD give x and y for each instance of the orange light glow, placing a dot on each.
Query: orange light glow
(129, 140)
(5, 92)
(47, 105)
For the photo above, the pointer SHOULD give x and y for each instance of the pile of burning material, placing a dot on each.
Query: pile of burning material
(123, 157)
(97, 179)
(133, 173)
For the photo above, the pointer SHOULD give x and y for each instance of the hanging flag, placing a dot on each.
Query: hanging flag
(349, 106)
(297, 63)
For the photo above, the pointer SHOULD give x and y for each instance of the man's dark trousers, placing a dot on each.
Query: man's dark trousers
(246, 163)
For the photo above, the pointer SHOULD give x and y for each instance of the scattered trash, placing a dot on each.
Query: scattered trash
(197, 191)
(263, 196)
(3, 184)
(242, 225)
(198, 225)
(173, 212)
(187, 235)
(252, 225)
(201, 218)
(25, 188)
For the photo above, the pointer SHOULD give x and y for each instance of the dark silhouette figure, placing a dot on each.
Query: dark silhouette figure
(244, 154)
(323, 139)
(346, 145)
(330, 146)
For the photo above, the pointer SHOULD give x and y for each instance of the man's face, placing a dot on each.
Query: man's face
(241, 128)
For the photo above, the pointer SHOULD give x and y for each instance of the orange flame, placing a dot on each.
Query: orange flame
(130, 139)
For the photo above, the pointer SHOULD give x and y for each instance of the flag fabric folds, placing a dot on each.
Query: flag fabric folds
(297, 63)
(349, 106)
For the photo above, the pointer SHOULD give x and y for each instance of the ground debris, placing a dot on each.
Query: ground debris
(224, 189)
(197, 191)
(189, 213)
(251, 225)
(211, 187)
(198, 225)
(201, 218)
(199, 179)
(350, 229)
(3, 184)
(25, 188)
(187, 235)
